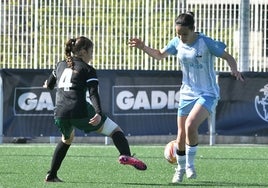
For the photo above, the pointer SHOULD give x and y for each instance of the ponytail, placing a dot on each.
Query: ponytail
(68, 52)
(74, 46)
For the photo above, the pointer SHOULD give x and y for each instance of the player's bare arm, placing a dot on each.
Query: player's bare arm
(233, 65)
(156, 54)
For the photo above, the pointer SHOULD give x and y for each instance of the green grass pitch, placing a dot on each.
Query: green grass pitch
(89, 166)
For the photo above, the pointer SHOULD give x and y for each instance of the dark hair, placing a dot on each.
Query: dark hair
(74, 46)
(186, 19)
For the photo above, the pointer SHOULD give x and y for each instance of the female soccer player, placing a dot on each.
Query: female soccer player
(199, 92)
(74, 76)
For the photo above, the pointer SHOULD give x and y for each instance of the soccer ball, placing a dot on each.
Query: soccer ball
(170, 152)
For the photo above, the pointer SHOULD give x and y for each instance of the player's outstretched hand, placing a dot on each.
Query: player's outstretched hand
(137, 43)
(45, 84)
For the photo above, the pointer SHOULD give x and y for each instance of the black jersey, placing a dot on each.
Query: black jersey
(72, 85)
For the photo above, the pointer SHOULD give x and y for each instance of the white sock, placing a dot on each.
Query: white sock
(190, 156)
(181, 160)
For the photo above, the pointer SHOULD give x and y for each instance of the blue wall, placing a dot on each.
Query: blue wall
(141, 102)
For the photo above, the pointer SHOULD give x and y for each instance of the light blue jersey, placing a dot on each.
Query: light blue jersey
(197, 64)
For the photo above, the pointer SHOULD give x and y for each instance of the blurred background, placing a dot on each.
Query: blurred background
(33, 32)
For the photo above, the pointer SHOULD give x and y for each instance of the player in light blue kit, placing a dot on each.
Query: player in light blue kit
(199, 92)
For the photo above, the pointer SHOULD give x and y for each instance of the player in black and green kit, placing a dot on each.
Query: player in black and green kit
(74, 77)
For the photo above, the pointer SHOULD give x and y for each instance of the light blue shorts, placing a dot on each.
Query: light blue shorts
(208, 102)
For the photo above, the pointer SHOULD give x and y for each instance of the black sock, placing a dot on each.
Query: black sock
(121, 143)
(58, 156)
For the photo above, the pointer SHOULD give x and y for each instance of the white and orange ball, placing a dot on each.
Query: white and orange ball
(170, 152)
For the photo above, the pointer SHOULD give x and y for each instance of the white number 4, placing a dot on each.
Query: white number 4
(65, 79)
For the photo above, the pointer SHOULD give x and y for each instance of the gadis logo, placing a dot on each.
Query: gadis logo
(145, 100)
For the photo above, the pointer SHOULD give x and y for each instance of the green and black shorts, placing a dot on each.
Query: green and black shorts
(66, 126)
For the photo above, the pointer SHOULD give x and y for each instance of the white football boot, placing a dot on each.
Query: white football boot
(191, 173)
(178, 175)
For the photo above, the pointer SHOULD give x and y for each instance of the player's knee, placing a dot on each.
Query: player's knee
(190, 125)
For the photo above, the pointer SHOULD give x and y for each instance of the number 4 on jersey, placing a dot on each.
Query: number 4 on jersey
(65, 79)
